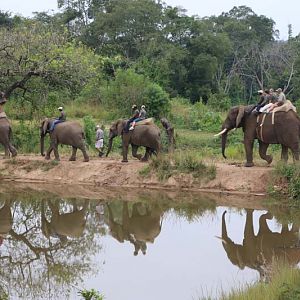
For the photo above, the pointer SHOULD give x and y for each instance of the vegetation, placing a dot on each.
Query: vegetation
(283, 286)
(286, 180)
(90, 294)
(182, 162)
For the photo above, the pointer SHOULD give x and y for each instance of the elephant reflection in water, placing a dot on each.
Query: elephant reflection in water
(139, 228)
(6, 220)
(63, 225)
(258, 251)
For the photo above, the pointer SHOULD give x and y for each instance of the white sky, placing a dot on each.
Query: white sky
(283, 12)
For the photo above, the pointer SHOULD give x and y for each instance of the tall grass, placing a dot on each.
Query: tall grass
(184, 162)
(284, 285)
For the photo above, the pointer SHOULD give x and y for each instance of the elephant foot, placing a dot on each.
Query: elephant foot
(144, 159)
(86, 160)
(269, 159)
(249, 164)
(124, 160)
(72, 159)
(14, 154)
(47, 157)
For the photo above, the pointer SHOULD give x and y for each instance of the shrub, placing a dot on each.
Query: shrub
(89, 130)
(219, 102)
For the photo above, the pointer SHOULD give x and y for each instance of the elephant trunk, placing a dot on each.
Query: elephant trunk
(42, 145)
(109, 146)
(224, 140)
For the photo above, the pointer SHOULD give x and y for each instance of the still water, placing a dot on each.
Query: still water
(154, 247)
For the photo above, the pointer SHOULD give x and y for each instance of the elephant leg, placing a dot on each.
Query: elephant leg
(248, 144)
(6, 151)
(84, 153)
(263, 147)
(73, 156)
(54, 147)
(134, 152)
(124, 151)
(12, 150)
(147, 154)
(284, 153)
(295, 151)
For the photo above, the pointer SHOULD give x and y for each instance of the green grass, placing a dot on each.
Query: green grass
(284, 285)
(181, 162)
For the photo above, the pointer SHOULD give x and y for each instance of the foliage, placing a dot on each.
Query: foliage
(196, 116)
(287, 177)
(90, 294)
(184, 162)
(219, 102)
(89, 130)
(130, 88)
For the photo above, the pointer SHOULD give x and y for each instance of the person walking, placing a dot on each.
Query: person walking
(99, 144)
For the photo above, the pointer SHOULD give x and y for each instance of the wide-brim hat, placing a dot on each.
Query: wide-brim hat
(260, 92)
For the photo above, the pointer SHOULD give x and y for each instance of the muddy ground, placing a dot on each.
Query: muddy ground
(108, 172)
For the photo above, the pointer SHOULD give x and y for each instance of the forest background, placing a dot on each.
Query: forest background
(98, 57)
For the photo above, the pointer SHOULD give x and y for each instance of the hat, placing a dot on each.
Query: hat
(98, 126)
(279, 90)
(143, 106)
(60, 108)
(260, 92)
(133, 106)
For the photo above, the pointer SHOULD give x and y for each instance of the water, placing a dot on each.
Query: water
(154, 247)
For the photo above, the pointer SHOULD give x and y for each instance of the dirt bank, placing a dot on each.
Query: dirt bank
(107, 172)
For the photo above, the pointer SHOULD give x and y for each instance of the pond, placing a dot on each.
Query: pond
(152, 247)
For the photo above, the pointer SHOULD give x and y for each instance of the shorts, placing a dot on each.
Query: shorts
(99, 144)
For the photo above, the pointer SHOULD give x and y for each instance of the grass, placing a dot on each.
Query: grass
(286, 180)
(29, 166)
(181, 162)
(284, 285)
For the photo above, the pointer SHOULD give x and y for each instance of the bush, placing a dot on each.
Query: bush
(219, 102)
(89, 130)
(288, 177)
(131, 88)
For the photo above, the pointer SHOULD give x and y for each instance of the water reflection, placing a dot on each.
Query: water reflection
(258, 251)
(52, 246)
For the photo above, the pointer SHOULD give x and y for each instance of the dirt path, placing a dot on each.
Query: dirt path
(107, 172)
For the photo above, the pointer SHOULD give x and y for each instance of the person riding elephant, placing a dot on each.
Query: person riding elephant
(6, 130)
(63, 225)
(62, 118)
(66, 133)
(282, 128)
(144, 135)
(258, 251)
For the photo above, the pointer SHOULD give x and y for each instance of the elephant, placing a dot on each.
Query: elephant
(139, 229)
(143, 135)
(5, 137)
(64, 225)
(67, 133)
(284, 131)
(258, 251)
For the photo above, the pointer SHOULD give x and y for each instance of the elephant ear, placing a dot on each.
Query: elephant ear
(45, 125)
(120, 127)
(240, 115)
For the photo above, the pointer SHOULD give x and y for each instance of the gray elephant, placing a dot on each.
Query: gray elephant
(258, 251)
(284, 131)
(143, 135)
(64, 225)
(6, 135)
(67, 133)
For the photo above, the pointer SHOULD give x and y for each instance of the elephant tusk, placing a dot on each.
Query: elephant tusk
(221, 132)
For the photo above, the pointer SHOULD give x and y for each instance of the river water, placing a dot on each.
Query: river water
(153, 247)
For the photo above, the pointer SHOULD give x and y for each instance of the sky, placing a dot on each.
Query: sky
(282, 12)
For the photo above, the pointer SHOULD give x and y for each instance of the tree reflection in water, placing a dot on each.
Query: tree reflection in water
(48, 244)
(40, 259)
